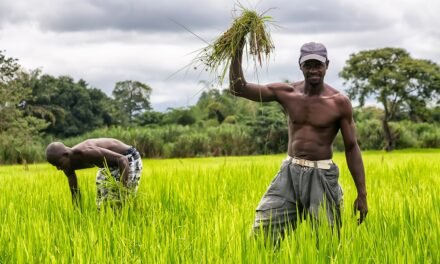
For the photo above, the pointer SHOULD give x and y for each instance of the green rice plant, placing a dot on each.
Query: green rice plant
(248, 28)
(201, 210)
(117, 194)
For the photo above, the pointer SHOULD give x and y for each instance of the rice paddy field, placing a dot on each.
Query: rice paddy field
(201, 211)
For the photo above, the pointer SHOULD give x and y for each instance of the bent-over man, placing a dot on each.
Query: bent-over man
(122, 160)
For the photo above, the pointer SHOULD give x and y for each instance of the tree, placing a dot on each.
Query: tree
(400, 83)
(72, 108)
(150, 118)
(9, 67)
(132, 98)
(216, 104)
(18, 132)
(268, 129)
(180, 116)
(10, 96)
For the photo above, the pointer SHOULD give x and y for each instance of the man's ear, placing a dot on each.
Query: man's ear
(327, 63)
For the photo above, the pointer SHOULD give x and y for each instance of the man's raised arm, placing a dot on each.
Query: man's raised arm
(239, 86)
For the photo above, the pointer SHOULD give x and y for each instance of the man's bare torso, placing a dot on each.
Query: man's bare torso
(105, 143)
(313, 121)
(90, 152)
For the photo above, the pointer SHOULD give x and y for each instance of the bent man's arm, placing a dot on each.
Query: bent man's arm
(74, 189)
(100, 156)
(123, 169)
(353, 157)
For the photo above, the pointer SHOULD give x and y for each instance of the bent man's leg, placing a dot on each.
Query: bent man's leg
(104, 190)
(134, 174)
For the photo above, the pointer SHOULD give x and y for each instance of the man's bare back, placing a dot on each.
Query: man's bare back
(97, 152)
(104, 143)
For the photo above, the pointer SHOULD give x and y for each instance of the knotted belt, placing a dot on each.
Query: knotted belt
(321, 164)
(132, 154)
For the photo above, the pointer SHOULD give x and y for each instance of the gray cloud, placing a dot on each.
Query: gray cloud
(92, 15)
(156, 16)
(326, 16)
(105, 41)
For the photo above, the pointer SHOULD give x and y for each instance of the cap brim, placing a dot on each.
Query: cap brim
(313, 57)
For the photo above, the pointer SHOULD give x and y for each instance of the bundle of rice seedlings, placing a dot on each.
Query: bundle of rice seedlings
(117, 194)
(249, 29)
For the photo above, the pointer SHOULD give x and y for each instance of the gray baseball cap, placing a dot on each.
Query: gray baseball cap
(313, 51)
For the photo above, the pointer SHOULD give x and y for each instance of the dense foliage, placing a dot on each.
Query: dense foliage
(401, 84)
(37, 108)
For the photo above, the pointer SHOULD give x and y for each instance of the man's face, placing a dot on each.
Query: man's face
(63, 163)
(314, 71)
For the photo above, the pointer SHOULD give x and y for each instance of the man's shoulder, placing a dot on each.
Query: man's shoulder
(342, 99)
(343, 103)
(336, 94)
(285, 87)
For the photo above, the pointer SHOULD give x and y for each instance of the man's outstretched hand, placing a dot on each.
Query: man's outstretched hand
(360, 204)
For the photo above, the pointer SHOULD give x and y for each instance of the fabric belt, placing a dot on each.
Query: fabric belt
(132, 154)
(321, 164)
(134, 157)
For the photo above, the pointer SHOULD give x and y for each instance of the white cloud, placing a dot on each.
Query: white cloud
(104, 42)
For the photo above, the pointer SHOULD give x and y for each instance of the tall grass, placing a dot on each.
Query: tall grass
(202, 210)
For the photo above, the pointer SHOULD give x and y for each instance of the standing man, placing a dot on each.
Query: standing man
(123, 162)
(308, 178)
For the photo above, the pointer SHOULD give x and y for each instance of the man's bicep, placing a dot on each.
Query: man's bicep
(99, 156)
(111, 157)
(258, 92)
(347, 125)
(348, 132)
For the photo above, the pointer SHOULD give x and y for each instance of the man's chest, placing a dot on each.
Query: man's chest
(315, 111)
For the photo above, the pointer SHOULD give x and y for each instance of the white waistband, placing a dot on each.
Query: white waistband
(321, 164)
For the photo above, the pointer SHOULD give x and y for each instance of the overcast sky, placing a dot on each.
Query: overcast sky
(105, 41)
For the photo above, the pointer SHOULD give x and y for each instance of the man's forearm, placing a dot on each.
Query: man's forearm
(76, 195)
(236, 77)
(124, 179)
(356, 167)
(73, 186)
(124, 169)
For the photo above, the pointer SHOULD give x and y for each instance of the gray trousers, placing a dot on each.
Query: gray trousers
(297, 192)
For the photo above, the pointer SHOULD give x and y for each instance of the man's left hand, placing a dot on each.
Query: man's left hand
(360, 204)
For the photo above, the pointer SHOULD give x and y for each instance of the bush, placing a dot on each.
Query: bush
(227, 140)
(17, 149)
(370, 134)
(405, 136)
(203, 139)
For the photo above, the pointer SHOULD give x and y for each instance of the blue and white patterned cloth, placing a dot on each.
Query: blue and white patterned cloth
(134, 176)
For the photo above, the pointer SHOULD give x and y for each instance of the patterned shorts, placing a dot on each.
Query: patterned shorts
(104, 192)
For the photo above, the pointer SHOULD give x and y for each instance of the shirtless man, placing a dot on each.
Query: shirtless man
(120, 158)
(308, 178)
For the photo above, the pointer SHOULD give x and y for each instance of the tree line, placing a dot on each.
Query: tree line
(37, 108)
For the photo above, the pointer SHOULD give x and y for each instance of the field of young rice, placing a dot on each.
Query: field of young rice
(202, 210)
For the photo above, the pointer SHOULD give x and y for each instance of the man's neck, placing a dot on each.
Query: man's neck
(313, 89)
